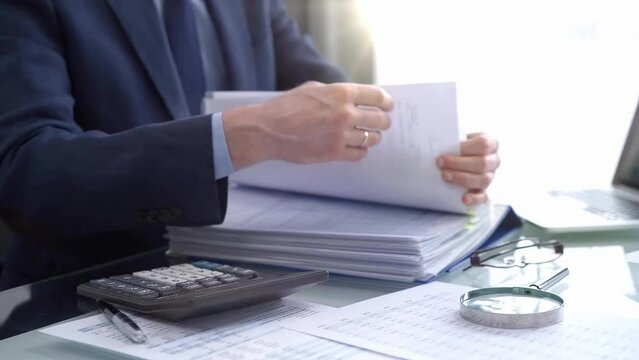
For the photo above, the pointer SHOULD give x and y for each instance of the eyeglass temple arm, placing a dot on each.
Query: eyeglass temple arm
(476, 260)
(551, 281)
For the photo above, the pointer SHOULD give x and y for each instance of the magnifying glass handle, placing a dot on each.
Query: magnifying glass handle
(551, 281)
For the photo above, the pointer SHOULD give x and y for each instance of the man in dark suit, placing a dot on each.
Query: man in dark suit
(102, 144)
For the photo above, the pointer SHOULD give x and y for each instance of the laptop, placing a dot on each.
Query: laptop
(612, 208)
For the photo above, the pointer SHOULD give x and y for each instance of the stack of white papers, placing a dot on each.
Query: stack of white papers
(366, 218)
(342, 236)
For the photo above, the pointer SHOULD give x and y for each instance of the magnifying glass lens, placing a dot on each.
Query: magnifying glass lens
(514, 307)
(511, 304)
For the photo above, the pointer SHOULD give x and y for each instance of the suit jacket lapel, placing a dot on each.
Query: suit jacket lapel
(230, 23)
(141, 21)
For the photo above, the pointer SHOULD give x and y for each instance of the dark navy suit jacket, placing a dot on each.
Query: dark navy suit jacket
(93, 163)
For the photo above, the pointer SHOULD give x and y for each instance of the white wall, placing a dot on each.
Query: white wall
(556, 81)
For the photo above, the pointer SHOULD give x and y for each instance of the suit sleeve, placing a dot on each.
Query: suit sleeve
(59, 180)
(297, 61)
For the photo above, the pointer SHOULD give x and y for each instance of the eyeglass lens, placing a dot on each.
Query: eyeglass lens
(522, 253)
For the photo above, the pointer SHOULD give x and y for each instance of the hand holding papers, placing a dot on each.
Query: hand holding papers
(311, 123)
(399, 171)
(386, 234)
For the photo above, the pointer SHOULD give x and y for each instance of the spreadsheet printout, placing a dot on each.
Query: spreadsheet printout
(424, 322)
(248, 334)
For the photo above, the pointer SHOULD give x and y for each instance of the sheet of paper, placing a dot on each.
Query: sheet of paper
(249, 334)
(633, 257)
(400, 171)
(424, 322)
(261, 210)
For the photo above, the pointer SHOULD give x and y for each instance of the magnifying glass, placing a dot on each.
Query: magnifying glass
(515, 307)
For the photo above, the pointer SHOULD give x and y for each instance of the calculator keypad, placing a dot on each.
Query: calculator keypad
(167, 281)
(198, 288)
(162, 289)
(190, 268)
(237, 271)
(125, 288)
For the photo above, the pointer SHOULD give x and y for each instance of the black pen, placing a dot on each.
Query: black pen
(121, 321)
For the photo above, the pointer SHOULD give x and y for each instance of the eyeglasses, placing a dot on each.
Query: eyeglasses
(518, 253)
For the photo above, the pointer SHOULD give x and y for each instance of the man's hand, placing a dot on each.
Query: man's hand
(310, 124)
(474, 169)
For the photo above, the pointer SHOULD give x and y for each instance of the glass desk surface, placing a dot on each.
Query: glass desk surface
(599, 275)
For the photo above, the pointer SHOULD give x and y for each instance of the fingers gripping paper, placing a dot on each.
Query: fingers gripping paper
(401, 170)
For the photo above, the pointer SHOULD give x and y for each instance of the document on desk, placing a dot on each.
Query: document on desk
(248, 334)
(633, 257)
(424, 323)
(401, 170)
(347, 237)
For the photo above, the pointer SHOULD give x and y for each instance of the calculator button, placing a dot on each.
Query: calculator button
(165, 290)
(245, 273)
(225, 268)
(124, 278)
(158, 277)
(205, 264)
(190, 285)
(228, 278)
(196, 270)
(238, 271)
(143, 292)
(169, 280)
(105, 283)
(162, 289)
(130, 279)
(122, 287)
(178, 274)
(209, 282)
(126, 288)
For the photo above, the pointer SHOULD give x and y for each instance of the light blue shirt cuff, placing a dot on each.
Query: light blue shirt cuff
(221, 158)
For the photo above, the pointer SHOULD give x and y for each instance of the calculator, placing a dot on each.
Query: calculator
(197, 288)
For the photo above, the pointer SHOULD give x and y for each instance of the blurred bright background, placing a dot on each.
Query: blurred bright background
(557, 82)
